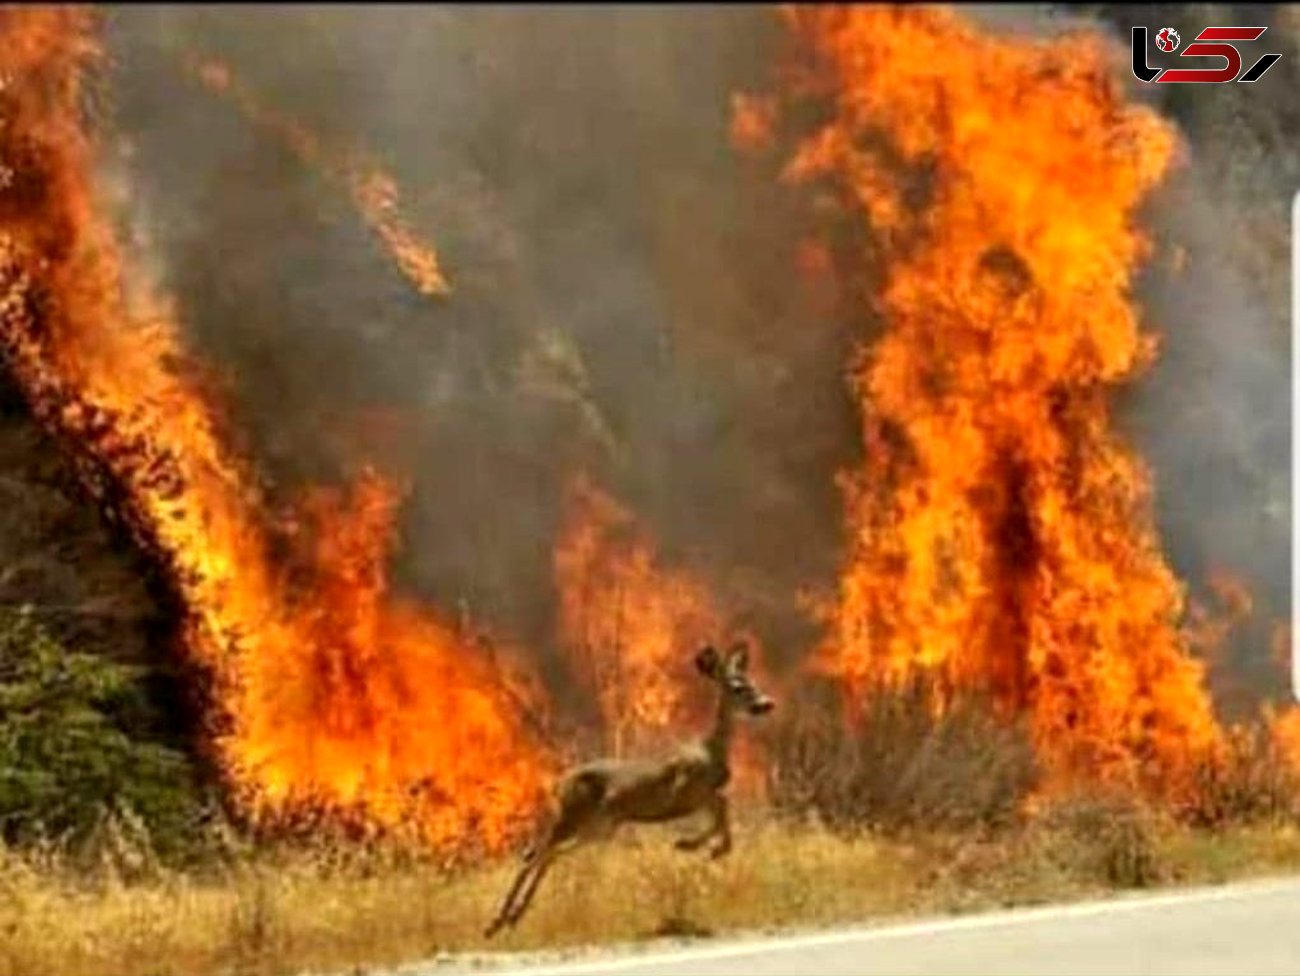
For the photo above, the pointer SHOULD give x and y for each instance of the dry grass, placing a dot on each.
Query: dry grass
(330, 910)
(920, 812)
(906, 765)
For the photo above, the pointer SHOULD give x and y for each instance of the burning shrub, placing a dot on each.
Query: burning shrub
(905, 761)
(626, 617)
(1251, 780)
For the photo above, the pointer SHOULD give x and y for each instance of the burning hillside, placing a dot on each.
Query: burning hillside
(330, 692)
(997, 530)
(372, 191)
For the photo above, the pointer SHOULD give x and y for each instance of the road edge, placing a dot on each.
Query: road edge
(616, 957)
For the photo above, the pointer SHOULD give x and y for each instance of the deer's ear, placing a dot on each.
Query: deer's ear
(706, 661)
(738, 656)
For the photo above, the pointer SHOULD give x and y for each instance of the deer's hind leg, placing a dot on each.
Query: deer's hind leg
(525, 871)
(578, 808)
(538, 871)
(696, 841)
(722, 827)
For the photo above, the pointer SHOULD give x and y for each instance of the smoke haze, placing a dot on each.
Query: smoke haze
(624, 296)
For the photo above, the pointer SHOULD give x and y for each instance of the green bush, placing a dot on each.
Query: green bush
(73, 750)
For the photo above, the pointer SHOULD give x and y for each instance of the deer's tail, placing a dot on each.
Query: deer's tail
(585, 787)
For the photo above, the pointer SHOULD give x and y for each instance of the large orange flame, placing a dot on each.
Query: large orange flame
(331, 692)
(629, 623)
(1284, 730)
(372, 190)
(1000, 532)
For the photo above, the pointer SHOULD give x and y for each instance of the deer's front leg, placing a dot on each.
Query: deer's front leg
(721, 827)
(716, 821)
(693, 843)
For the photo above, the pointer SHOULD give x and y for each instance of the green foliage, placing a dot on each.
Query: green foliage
(73, 749)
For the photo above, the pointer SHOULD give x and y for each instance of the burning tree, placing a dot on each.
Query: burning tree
(1000, 532)
(328, 691)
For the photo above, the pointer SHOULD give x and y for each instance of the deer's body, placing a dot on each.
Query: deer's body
(594, 798)
(643, 790)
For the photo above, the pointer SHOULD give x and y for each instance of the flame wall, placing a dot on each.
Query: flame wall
(329, 692)
(633, 300)
(1001, 532)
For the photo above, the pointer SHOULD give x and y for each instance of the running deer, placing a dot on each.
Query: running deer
(595, 798)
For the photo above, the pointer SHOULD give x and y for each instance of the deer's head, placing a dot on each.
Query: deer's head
(731, 673)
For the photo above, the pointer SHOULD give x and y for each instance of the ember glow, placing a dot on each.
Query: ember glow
(373, 191)
(999, 531)
(330, 692)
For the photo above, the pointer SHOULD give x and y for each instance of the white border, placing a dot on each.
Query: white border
(1295, 445)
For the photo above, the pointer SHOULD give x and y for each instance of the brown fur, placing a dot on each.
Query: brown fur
(596, 797)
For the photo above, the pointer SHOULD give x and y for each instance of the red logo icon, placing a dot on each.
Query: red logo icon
(1212, 42)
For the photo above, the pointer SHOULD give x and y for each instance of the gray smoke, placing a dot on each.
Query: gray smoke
(623, 295)
(624, 300)
(1214, 416)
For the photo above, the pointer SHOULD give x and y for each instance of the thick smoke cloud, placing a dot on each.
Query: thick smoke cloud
(624, 294)
(623, 301)
(1214, 415)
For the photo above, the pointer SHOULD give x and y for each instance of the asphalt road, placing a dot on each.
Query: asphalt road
(1245, 928)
